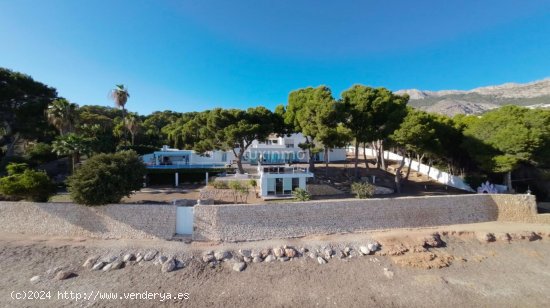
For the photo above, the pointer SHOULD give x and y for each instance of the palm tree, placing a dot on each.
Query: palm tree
(62, 114)
(120, 96)
(73, 145)
(133, 125)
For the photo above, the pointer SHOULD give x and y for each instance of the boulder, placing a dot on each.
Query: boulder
(35, 279)
(265, 252)
(255, 253)
(128, 257)
(209, 257)
(169, 265)
(245, 253)
(162, 259)
(290, 252)
(239, 266)
(284, 259)
(485, 237)
(90, 262)
(364, 250)
(139, 257)
(150, 255)
(247, 259)
(278, 252)
(98, 266)
(328, 252)
(503, 236)
(256, 260)
(110, 259)
(321, 260)
(373, 246)
(270, 258)
(62, 275)
(222, 255)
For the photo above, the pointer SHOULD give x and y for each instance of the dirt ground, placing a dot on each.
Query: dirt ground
(463, 272)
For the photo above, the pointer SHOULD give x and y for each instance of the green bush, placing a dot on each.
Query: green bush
(25, 183)
(107, 178)
(240, 190)
(363, 190)
(301, 194)
(41, 153)
(219, 184)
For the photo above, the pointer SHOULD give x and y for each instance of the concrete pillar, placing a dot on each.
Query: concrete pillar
(177, 179)
(206, 178)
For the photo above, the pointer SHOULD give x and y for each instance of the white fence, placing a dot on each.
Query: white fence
(431, 172)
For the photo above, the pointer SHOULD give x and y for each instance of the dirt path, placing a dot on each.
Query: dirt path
(496, 274)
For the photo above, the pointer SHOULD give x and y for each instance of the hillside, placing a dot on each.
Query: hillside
(479, 100)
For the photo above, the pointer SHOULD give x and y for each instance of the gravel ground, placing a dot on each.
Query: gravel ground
(463, 273)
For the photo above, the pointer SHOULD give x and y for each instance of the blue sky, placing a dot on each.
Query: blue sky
(196, 55)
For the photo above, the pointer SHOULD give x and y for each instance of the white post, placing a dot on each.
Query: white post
(206, 178)
(177, 179)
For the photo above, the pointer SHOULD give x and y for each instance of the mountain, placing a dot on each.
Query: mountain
(478, 100)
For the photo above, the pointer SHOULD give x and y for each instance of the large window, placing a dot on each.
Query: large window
(295, 183)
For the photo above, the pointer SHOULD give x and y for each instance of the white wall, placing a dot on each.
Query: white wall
(184, 220)
(431, 172)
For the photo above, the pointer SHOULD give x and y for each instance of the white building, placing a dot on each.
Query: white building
(276, 150)
(277, 181)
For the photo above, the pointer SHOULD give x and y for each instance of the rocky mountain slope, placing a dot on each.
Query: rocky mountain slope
(479, 100)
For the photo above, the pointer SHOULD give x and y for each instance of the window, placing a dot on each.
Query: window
(295, 183)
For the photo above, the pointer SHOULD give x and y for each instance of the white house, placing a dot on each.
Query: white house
(174, 158)
(277, 181)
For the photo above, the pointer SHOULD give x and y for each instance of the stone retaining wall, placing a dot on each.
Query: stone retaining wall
(294, 219)
(128, 221)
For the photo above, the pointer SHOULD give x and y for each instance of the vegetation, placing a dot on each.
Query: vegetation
(107, 178)
(219, 184)
(301, 194)
(240, 190)
(25, 183)
(363, 190)
(510, 144)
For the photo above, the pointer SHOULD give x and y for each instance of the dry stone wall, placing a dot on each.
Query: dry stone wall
(129, 221)
(295, 219)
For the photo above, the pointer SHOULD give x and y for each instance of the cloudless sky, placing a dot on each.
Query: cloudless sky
(200, 54)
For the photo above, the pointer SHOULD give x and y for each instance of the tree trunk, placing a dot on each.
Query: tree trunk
(508, 181)
(132, 136)
(365, 156)
(398, 175)
(240, 162)
(409, 168)
(311, 160)
(326, 162)
(356, 159)
(381, 151)
(377, 157)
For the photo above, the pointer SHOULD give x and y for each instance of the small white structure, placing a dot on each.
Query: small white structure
(279, 181)
(175, 158)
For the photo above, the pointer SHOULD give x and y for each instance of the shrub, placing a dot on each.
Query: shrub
(41, 153)
(25, 183)
(219, 184)
(301, 194)
(240, 190)
(107, 178)
(363, 190)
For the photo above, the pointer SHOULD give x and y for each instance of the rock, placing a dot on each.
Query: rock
(35, 279)
(531, 236)
(290, 252)
(50, 274)
(245, 253)
(278, 252)
(347, 250)
(312, 255)
(139, 258)
(162, 259)
(256, 260)
(321, 260)
(117, 265)
(239, 267)
(98, 266)
(90, 262)
(213, 264)
(110, 259)
(284, 259)
(388, 273)
(485, 237)
(150, 255)
(208, 257)
(302, 250)
(128, 257)
(247, 259)
(107, 267)
(340, 254)
(222, 255)
(62, 275)
(264, 253)
(364, 250)
(168, 265)
(328, 253)
(269, 258)
(373, 246)
(434, 240)
(180, 264)
(255, 253)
